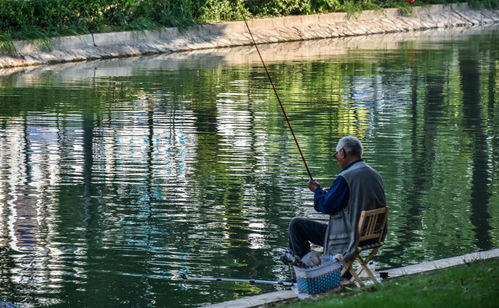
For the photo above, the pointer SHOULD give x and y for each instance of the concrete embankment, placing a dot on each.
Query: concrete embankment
(267, 30)
(269, 299)
(284, 52)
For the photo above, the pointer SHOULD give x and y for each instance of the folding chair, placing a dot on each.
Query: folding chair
(371, 229)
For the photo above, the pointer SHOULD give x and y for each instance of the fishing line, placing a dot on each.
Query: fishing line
(278, 98)
(278, 282)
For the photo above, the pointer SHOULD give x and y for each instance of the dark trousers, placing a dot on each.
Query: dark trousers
(302, 232)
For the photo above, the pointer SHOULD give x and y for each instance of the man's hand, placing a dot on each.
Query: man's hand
(313, 185)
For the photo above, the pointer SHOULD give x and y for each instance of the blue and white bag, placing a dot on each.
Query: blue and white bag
(320, 278)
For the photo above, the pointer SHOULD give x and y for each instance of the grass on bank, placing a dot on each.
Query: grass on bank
(470, 285)
(42, 19)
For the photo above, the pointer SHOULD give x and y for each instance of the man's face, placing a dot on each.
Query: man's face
(339, 155)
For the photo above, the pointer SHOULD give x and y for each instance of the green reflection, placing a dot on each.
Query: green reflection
(116, 176)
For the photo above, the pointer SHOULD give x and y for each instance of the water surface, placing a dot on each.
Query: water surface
(117, 176)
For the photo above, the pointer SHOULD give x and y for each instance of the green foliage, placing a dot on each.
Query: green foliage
(292, 7)
(353, 7)
(7, 45)
(176, 13)
(216, 11)
(488, 4)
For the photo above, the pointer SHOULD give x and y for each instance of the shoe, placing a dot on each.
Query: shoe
(290, 259)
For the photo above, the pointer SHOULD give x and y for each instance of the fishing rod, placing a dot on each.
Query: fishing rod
(277, 96)
(277, 282)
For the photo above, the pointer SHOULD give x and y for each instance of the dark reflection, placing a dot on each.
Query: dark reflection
(425, 113)
(424, 150)
(7, 285)
(88, 158)
(492, 105)
(115, 177)
(473, 123)
(419, 167)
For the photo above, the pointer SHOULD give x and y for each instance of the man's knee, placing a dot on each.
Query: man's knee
(296, 224)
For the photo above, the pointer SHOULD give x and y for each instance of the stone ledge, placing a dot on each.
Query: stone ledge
(257, 300)
(274, 297)
(266, 30)
(443, 263)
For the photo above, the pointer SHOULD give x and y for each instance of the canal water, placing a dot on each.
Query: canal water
(118, 176)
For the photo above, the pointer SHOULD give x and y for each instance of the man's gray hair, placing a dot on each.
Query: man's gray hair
(351, 145)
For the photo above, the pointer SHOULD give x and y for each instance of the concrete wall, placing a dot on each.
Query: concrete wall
(266, 30)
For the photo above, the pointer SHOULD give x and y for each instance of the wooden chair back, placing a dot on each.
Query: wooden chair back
(372, 224)
(371, 228)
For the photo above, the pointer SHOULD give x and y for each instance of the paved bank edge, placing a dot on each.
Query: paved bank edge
(266, 30)
(278, 296)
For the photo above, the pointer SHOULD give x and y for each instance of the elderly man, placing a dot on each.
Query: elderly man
(357, 187)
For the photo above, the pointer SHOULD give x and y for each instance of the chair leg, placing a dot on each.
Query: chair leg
(372, 254)
(369, 272)
(356, 277)
(363, 264)
(347, 267)
(362, 267)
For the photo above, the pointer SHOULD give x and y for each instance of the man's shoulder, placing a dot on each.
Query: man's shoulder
(359, 168)
(355, 166)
